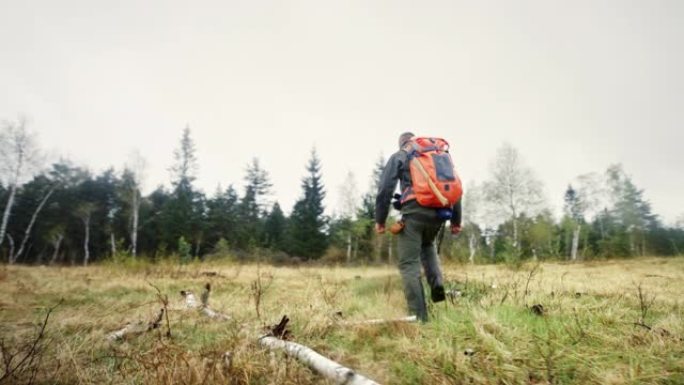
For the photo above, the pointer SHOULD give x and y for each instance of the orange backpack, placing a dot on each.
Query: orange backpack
(434, 182)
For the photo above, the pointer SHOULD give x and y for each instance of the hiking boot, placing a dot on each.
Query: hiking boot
(437, 294)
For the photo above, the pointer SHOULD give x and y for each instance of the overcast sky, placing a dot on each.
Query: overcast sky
(574, 85)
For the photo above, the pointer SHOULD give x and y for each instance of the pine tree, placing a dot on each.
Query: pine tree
(306, 236)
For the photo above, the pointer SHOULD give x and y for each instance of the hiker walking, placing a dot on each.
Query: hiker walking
(430, 195)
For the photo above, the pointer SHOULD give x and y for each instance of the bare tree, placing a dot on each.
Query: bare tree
(18, 158)
(349, 203)
(513, 189)
(56, 236)
(27, 232)
(473, 211)
(85, 212)
(136, 166)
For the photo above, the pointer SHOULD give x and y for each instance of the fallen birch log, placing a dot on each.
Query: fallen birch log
(319, 363)
(203, 306)
(140, 327)
(409, 319)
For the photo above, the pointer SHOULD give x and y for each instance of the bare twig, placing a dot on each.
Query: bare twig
(32, 355)
(164, 299)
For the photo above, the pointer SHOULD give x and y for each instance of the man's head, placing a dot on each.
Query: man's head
(404, 138)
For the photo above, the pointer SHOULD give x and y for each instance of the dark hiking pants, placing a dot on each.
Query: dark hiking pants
(416, 246)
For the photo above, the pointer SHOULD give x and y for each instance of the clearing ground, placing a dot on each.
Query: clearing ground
(593, 326)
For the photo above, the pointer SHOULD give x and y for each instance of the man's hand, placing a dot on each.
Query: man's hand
(380, 228)
(455, 229)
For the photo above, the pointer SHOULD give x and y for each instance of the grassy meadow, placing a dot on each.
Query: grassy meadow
(613, 322)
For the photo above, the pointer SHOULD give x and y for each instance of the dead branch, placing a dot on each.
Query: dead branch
(164, 299)
(136, 328)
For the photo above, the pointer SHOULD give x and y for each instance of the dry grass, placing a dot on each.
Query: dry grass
(595, 327)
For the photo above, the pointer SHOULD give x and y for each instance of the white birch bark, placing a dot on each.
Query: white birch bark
(472, 247)
(56, 243)
(27, 232)
(134, 225)
(137, 166)
(11, 244)
(7, 212)
(575, 242)
(322, 365)
(18, 157)
(112, 243)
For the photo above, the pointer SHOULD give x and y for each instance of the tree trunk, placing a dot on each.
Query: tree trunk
(86, 241)
(472, 246)
(349, 248)
(515, 232)
(27, 232)
(197, 247)
(575, 242)
(322, 365)
(57, 242)
(356, 249)
(136, 218)
(6, 214)
(112, 243)
(10, 240)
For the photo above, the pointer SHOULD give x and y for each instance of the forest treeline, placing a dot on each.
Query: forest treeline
(64, 214)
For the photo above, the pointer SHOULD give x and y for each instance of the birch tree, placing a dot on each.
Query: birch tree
(512, 188)
(592, 189)
(473, 212)
(136, 166)
(574, 210)
(27, 232)
(349, 205)
(85, 212)
(18, 158)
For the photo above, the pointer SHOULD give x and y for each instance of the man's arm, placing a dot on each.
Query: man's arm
(386, 187)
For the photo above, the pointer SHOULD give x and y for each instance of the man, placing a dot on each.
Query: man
(416, 242)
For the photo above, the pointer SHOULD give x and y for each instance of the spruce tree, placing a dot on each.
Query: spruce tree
(222, 217)
(252, 206)
(307, 238)
(274, 228)
(179, 212)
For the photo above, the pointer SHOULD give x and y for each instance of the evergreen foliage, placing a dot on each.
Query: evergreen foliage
(306, 236)
(88, 217)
